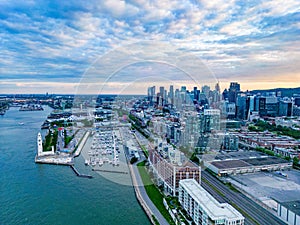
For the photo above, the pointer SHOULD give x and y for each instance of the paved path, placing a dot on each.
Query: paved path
(81, 144)
(143, 194)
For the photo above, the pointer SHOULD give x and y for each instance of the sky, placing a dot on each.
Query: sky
(124, 46)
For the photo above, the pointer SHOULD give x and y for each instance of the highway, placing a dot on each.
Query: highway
(253, 213)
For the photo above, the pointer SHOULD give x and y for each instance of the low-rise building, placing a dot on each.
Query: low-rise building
(289, 212)
(204, 208)
(247, 165)
(266, 140)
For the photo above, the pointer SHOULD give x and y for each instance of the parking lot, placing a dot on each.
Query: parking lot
(270, 185)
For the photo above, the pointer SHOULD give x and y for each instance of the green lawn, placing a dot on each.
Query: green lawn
(153, 193)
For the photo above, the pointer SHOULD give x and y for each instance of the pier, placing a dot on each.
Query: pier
(79, 174)
(81, 144)
(54, 159)
(110, 171)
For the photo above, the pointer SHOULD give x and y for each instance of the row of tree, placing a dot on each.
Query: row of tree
(261, 125)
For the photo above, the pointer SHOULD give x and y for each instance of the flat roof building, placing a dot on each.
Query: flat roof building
(289, 212)
(250, 165)
(168, 173)
(204, 208)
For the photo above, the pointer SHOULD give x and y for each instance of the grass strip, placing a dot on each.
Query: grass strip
(153, 193)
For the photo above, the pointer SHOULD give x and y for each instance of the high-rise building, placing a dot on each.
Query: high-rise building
(234, 89)
(195, 93)
(242, 106)
(205, 90)
(225, 94)
(161, 96)
(151, 95)
(285, 108)
(171, 94)
(209, 120)
(217, 87)
(297, 101)
(266, 105)
(204, 208)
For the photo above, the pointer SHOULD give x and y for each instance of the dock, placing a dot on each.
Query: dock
(79, 174)
(56, 160)
(110, 171)
(81, 144)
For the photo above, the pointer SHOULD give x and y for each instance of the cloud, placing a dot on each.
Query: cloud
(43, 41)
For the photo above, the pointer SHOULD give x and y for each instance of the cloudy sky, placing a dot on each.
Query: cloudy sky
(56, 46)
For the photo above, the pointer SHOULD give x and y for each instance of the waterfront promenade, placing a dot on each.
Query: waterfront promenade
(143, 198)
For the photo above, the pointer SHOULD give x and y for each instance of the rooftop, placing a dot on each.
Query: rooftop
(265, 161)
(294, 206)
(211, 206)
(230, 164)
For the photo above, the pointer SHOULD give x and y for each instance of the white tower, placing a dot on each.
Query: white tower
(40, 144)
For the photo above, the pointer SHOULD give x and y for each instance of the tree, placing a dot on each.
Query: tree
(296, 161)
(133, 160)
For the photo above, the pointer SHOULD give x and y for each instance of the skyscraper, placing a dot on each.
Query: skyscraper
(205, 90)
(196, 93)
(171, 94)
(217, 87)
(161, 95)
(151, 95)
(234, 89)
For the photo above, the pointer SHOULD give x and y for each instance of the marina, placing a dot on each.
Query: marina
(104, 154)
(103, 149)
(31, 107)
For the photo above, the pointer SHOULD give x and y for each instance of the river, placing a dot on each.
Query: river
(47, 194)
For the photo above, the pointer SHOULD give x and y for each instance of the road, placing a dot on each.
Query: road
(252, 209)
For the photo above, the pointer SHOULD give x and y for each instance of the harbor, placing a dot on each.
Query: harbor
(104, 154)
(103, 149)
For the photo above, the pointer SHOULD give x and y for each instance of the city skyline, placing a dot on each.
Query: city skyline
(49, 47)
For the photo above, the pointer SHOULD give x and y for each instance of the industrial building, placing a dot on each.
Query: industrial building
(289, 212)
(245, 162)
(204, 208)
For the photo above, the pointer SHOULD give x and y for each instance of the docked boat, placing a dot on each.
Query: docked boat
(31, 108)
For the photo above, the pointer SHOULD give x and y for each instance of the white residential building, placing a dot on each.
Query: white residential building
(203, 208)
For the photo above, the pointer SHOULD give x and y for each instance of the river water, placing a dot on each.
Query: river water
(47, 194)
